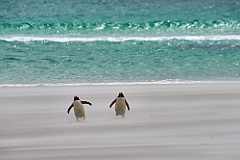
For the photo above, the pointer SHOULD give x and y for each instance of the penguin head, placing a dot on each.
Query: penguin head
(76, 98)
(120, 94)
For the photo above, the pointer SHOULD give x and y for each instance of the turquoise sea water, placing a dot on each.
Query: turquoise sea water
(118, 41)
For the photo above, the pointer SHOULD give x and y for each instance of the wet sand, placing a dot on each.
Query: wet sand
(189, 121)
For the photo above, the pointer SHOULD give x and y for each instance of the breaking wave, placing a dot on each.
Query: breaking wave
(119, 39)
(158, 25)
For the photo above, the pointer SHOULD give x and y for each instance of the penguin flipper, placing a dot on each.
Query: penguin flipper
(70, 108)
(112, 103)
(86, 102)
(127, 105)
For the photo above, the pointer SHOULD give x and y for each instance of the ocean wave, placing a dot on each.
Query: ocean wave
(120, 39)
(152, 25)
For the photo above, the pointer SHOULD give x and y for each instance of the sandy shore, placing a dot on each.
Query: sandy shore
(179, 122)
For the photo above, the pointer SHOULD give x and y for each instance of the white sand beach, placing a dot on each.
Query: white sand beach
(174, 122)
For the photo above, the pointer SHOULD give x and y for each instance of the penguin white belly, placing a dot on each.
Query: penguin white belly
(120, 106)
(79, 110)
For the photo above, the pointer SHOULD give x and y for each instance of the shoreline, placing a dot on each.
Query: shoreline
(162, 82)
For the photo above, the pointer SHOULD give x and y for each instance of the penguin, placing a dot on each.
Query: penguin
(120, 105)
(78, 108)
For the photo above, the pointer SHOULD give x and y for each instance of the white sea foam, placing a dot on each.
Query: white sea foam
(163, 82)
(119, 39)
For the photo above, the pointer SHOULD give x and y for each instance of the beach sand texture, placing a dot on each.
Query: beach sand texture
(174, 122)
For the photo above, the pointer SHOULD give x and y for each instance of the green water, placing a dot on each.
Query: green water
(118, 41)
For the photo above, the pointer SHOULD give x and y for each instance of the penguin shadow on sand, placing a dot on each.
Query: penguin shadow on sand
(78, 108)
(120, 105)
